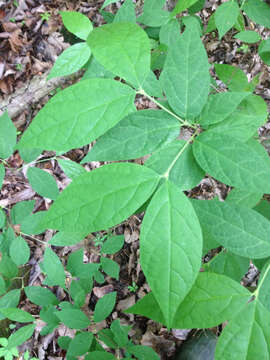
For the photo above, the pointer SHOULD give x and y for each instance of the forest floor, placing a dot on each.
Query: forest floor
(31, 38)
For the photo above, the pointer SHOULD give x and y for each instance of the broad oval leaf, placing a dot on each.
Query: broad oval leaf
(143, 352)
(244, 198)
(232, 162)
(19, 251)
(16, 314)
(169, 32)
(104, 306)
(244, 122)
(78, 115)
(77, 23)
(264, 51)
(226, 16)
(101, 198)
(20, 336)
(153, 15)
(99, 355)
(185, 172)
(63, 238)
(71, 60)
(10, 299)
(126, 13)
(40, 296)
(219, 106)
(185, 77)
(139, 134)
(54, 268)
(247, 335)
(182, 5)
(233, 77)
(258, 11)
(124, 49)
(112, 244)
(171, 246)
(71, 168)
(7, 136)
(42, 182)
(248, 36)
(80, 344)
(229, 264)
(73, 318)
(241, 230)
(212, 300)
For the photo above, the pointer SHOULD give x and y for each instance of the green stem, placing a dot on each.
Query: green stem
(34, 238)
(242, 5)
(36, 162)
(167, 173)
(256, 292)
(184, 122)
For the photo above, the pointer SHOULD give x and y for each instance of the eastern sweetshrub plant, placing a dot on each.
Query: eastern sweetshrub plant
(165, 61)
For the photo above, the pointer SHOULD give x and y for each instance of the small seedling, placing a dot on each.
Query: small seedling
(133, 288)
(45, 16)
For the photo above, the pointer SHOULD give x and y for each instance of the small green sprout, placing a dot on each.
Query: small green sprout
(19, 67)
(45, 16)
(133, 288)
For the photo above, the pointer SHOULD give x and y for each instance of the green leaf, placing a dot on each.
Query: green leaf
(152, 86)
(171, 246)
(233, 77)
(241, 230)
(77, 268)
(107, 337)
(104, 306)
(95, 70)
(243, 198)
(48, 315)
(120, 333)
(244, 122)
(212, 300)
(15, 314)
(2, 174)
(112, 244)
(220, 106)
(226, 263)
(80, 344)
(7, 136)
(143, 352)
(185, 77)
(181, 6)
(153, 15)
(169, 32)
(78, 115)
(263, 208)
(29, 155)
(2, 218)
(130, 62)
(93, 205)
(3, 288)
(54, 268)
(31, 224)
(77, 23)
(185, 172)
(110, 267)
(232, 162)
(20, 336)
(7, 267)
(198, 6)
(108, 2)
(63, 238)
(42, 182)
(21, 210)
(71, 60)
(63, 342)
(139, 134)
(253, 320)
(258, 11)
(10, 299)
(99, 355)
(200, 346)
(73, 318)
(77, 293)
(40, 296)
(226, 16)
(264, 51)
(19, 251)
(126, 13)
(148, 307)
(248, 36)
(71, 168)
